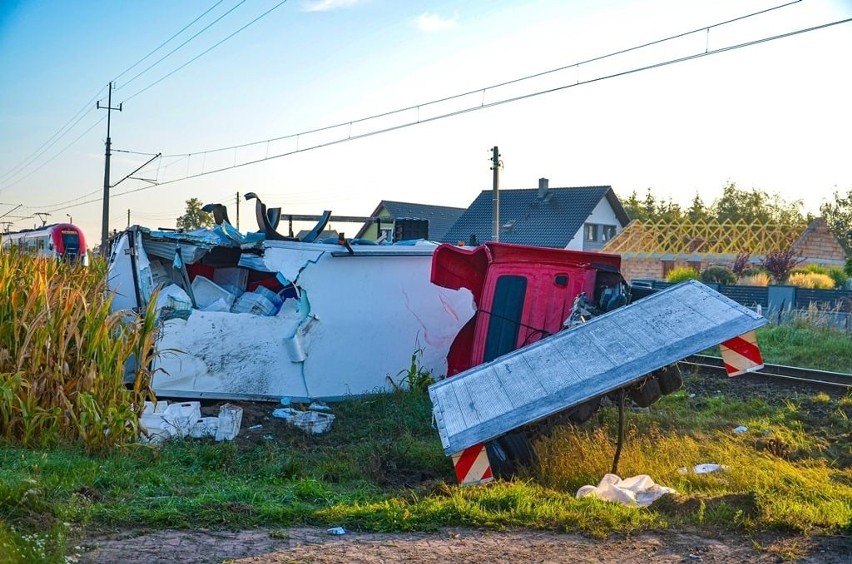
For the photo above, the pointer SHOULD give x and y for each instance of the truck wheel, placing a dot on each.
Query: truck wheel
(669, 379)
(646, 393)
(507, 454)
(584, 411)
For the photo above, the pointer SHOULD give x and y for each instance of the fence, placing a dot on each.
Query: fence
(782, 303)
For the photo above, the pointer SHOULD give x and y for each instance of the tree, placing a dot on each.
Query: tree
(838, 217)
(757, 206)
(697, 211)
(650, 209)
(195, 217)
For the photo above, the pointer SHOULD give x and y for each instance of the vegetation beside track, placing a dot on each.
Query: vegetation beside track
(381, 468)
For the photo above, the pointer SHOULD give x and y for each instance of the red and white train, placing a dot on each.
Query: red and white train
(63, 241)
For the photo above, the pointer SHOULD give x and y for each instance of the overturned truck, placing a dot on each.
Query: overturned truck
(529, 337)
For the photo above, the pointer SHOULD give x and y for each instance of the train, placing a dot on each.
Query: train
(62, 241)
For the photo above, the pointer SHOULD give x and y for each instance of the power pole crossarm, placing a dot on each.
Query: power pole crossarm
(105, 216)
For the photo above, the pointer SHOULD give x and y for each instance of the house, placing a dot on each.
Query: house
(580, 218)
(651, 250)
(440, 219)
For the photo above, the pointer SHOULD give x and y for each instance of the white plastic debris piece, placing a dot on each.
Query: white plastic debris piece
(180, 417)
(230, 419)
(740, 430)
(337, 531)
(314, 422)
(638, 490)
(155, 407)
(204, 427)
(319, 406)
(708, 468)
(255, 428)
(207, 293)
(153, 428)
(285, 413)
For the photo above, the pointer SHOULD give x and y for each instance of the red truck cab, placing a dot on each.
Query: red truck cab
(522, 294)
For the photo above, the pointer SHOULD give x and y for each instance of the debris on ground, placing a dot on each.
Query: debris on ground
(639, 490)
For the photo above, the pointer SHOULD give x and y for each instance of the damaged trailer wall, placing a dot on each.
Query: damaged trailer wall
(358, 319)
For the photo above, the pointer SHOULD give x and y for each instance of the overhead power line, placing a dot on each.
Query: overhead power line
(84, 111)
(170, 53)
(167, 41)
(53, 139)
(192, 60)
(481, 106)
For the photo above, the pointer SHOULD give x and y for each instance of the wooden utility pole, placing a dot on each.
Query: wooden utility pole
(128, 217)
(238, 211)
(105, 216)
(495, 166)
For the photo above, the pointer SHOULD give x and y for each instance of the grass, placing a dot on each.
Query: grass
(803, 344)
(381, 467)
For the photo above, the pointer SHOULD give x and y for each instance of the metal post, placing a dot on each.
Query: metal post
(495, 167)
(105, 216)
(238, 211)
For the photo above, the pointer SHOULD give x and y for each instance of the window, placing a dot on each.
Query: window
(595, 232)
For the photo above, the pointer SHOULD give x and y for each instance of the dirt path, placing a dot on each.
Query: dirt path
(453, 545)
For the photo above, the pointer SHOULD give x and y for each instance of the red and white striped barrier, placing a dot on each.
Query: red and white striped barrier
(741, 354)
(472, 466)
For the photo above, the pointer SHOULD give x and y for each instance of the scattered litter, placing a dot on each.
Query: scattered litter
(180, 417)
(266, 437)
(319, 406)
(163, 421)
(255, 428)
(707, 468)
(230, 419)
(691, 396)
(694, 557)
(314, 422)
(204, 427)
(741, 429)
(337, 531)
(638, 490)
(285, 401)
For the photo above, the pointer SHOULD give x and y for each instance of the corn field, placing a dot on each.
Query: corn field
(62, 356)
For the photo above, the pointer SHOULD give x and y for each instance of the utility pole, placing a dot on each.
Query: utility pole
(238, 211)
(105, 216)
(128, 217)
(496, 163)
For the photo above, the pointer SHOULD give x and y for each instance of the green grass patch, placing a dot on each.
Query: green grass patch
(381, 468)
(804, 345)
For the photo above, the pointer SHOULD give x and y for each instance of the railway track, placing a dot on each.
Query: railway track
(835, 381)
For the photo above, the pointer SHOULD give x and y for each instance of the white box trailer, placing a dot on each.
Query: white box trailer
(348, 321)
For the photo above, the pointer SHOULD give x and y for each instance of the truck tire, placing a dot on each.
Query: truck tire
(646, 393)
(669, 379)
(508, 454)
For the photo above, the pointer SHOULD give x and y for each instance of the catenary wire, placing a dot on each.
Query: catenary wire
(167, 55)
(264, 14)
(497, 85)
(488, 105)
(166, 42)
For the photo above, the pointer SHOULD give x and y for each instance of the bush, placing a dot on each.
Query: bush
(741, 263)
(779, 263)
(839, 276)
(682, 273)
(811, 280)
(756, 279)
(718, 275)
(812, 269)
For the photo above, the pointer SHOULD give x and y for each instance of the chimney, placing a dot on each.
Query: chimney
(542, 188)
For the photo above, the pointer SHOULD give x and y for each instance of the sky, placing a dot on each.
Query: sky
(257, 78)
